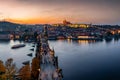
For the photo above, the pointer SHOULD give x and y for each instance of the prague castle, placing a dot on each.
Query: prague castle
(67, 23)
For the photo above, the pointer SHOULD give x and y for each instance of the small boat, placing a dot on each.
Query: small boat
(18, 46)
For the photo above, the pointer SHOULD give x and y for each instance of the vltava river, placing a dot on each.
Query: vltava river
(80, 60)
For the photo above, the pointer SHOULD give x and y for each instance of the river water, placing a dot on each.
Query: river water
(79, 60)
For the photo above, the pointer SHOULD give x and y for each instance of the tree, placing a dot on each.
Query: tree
(35, 68)
(10, 69)
(109, 33)
(25, 73)
(2, 71)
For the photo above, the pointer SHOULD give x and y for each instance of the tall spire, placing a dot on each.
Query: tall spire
(45, 31)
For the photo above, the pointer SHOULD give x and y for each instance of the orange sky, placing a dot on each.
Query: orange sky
(32, 21)
(55, 11)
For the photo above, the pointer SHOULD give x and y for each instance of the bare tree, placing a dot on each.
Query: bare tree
(10, 69)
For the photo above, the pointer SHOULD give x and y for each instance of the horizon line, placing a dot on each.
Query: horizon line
(25, 23)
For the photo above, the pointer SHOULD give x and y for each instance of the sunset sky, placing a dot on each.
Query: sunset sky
(55, 11)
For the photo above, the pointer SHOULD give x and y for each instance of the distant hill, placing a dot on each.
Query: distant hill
(8, 26)
(8, 23)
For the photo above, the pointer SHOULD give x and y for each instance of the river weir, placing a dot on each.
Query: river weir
(45, 63)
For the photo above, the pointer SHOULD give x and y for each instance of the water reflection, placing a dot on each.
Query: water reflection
(69, 41)
(97, 61)
(109, 40)
(83, 41)
(4, 41)
(116, 39)
(86, 41)
(14, 42)
(79, 62)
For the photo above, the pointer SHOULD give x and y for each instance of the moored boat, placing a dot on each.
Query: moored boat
(18, 46)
